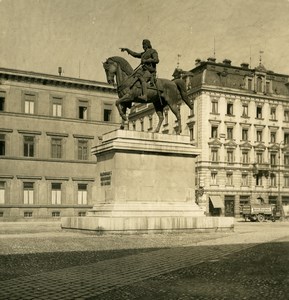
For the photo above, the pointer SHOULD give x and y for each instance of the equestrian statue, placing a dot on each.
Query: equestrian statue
(142, 86)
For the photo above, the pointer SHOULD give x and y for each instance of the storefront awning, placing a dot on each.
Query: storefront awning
(217, 201)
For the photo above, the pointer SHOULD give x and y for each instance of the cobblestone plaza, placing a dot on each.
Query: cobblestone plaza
(40, 261)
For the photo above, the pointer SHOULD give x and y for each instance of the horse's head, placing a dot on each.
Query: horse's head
(110, 68)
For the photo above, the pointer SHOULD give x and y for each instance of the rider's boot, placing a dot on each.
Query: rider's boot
(144, 90)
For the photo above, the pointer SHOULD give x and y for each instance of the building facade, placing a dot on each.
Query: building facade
(48, 126)
(240, 121)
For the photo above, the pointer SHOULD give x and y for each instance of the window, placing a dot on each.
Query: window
(107, 115)
(258, 180)
(82, 114)
(133, 126)
(286, 160)
(259, 112)
(250, 84)
(107, 112)
(259, 135)
(245, 134)
(55, 214)
(193, 108)
(268, 88)
(56, 148)
(28, 188)
(259, 85)
(229, 177)
(245, 157)
(273, 113)
(82, 194)
(82, 150)
(214, 132)
(214, 107)
(2, 144)
(2, 192)
(229, 108)
(259, 156)
(272, 200)
(83, 110)
(273, 136)
(213, 178)
(286, 115)
(273, 159)
(29, 144)
(244, 181)
(192, 137)
(55, 193)
(2, 101)
(245, 110)
(229, 133)
(29, 103)
(286, 138)
(28, 214)
(214, 153)
(57, 107)
(81, 213)
(230, 156)
(286, 181)
(273, 181)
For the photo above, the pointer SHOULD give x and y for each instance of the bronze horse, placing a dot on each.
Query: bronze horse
(129, 90)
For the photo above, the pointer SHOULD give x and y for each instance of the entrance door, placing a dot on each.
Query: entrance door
(229, 208)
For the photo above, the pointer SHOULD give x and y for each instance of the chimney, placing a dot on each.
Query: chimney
(211, 59)
(245, 65)
(59, 71)
(227, 62)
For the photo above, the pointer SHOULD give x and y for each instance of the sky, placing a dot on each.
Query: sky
(78, 35)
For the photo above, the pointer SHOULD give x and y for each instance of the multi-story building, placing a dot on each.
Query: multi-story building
(48, 125)
(240, 122)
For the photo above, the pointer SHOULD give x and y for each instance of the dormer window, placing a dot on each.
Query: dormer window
(259, 85)
(268, 87)
(250, 84)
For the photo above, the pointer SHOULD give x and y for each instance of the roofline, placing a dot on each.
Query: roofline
(48, 79)
(220, 64)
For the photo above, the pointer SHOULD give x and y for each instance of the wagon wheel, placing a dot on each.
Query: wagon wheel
(261, 218)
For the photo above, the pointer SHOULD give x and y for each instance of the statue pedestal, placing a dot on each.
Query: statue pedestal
(146, 183)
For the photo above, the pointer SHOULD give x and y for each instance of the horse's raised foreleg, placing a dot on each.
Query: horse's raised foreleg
(121, 110)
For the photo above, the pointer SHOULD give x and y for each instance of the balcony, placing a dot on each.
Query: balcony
(261, 169)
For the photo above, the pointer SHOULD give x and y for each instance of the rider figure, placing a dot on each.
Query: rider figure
(149, 60)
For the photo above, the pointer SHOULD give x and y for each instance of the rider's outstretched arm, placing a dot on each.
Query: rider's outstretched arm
(132, 53)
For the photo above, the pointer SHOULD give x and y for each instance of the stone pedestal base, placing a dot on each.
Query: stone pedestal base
(146, 183)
